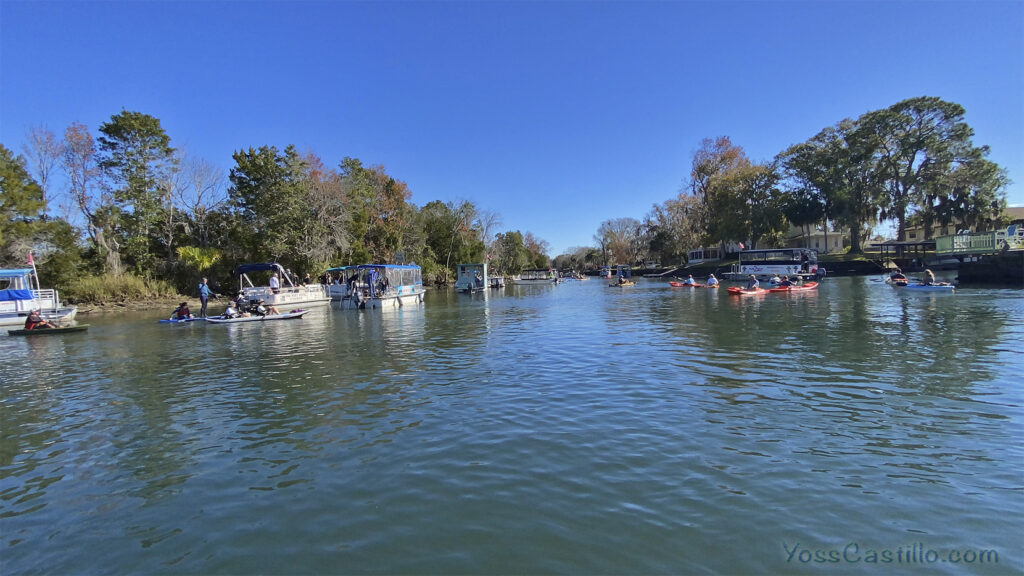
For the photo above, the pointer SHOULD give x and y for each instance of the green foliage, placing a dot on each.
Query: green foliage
(916, 143)
(21, 205)
(120, 288)
(266, 188)
(380, 216)
(511, 255)
(135, 154)
(199, 259)
(58, 253)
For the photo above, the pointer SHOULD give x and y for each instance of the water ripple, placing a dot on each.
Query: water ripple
(544, 430)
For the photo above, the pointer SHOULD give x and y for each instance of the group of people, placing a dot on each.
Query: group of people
(785, 281)
(712, 281)
(239, 307)
(896, 276)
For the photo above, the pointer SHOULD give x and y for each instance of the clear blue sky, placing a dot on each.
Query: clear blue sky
(556, 115)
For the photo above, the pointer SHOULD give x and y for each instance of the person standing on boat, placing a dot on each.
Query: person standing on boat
(275, 283)
(204, 297)
(35, 321)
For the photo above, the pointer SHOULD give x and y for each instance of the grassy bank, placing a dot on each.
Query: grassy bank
(124, 292)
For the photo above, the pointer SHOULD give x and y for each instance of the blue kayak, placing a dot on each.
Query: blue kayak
(184, 320)
(931, 287)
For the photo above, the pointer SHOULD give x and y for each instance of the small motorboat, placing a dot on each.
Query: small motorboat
(257, 318)
(49, 331)
(796, 288)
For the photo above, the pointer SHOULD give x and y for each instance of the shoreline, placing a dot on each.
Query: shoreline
(137, 305)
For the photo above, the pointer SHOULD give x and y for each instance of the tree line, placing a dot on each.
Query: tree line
(131, 204)
(912, 163)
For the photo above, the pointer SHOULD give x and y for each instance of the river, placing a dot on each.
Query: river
(540, 430)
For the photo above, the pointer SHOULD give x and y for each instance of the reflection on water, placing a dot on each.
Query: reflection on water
(571, 428)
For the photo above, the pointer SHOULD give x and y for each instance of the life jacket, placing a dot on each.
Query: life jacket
(31, 324)
(182, 312)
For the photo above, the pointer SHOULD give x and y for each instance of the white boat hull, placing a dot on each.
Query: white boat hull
(290, 297)
(59, 315)
(396, 300)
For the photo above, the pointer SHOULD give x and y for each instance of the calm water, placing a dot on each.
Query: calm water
(570, 429)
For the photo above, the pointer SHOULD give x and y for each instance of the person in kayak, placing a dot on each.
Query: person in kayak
(712, 281)
(234, 311)
(263, 310)
(752, 283)
(929, 278)
(35, 321)
(182, 312)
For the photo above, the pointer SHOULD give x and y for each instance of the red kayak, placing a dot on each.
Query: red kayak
(685, 285)
(802, 288)
(737, 291)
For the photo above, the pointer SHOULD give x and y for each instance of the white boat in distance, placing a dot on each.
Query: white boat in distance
(288, 296)
(472, 278)
(378, 285)
(18, 298)
(764, 264)
(536, 276)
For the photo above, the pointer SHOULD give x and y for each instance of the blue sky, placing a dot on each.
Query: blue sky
(555, 115)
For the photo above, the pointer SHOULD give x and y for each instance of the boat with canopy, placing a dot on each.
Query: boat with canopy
(20, 293)
(287, 296)
(379, 286)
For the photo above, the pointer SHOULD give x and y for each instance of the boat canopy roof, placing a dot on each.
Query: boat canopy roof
(394, 266)
(15, 272)
(245, 268)
(789, 250)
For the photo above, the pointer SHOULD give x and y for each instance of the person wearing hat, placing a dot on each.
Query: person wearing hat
(35, 321)
(262, 310)
(182, 312)
(712, 281)
(752, 283)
